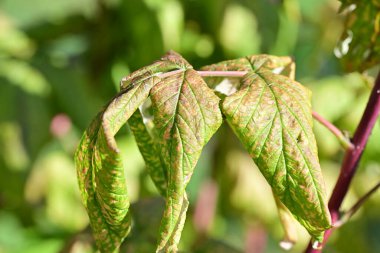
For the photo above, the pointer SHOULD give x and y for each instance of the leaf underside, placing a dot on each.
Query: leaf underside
(99, 167)
(102, 184)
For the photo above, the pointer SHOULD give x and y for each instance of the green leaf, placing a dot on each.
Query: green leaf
(100, 169)
(254, 62)
(186, 115)
(271, 115)
(102, 186)
(150, 151)
(147, 73)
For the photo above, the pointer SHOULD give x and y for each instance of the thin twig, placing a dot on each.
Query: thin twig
(352, 157)
(344, 141)
(223, 73)
(208, 73)
(170, 73)
(348, 214)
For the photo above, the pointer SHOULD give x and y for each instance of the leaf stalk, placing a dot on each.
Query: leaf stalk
(343, 140)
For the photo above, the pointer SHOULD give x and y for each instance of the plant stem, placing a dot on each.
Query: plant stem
(208, 73)
(170, 73)
(348, 214)
(344, 141)
(223, 73)
(352, 157)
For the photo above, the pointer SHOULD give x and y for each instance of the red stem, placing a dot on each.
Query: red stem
(352, 157)
(334, 130)
(223, 73)
(326, 123)
(348, 214)
(208, 73)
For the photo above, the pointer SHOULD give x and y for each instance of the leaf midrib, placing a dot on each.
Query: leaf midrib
(282, 151)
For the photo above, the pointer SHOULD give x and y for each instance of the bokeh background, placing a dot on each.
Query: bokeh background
(62, 60)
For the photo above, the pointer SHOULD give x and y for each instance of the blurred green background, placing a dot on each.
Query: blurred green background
(61, 61)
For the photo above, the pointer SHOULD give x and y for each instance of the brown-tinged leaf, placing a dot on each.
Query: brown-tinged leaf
(186, 114)
(100, 169)
(278, 64)
(271, 115)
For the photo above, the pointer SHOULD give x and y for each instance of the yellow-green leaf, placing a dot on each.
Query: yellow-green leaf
(278, 64)
(186, 115)
(100, 169)
(271, 115)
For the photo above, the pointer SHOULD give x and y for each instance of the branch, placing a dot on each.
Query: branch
(344, 141)
(348, 214)
(352, 157)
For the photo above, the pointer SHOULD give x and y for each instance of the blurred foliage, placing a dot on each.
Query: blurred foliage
(359, 47)
(60, 61)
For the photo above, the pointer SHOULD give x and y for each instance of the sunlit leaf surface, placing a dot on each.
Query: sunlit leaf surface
(100, 169)
(186, 114)
(72, 54)
(271, 115)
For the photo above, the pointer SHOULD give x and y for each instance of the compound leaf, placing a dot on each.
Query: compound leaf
(186, 115)
(271, 115)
